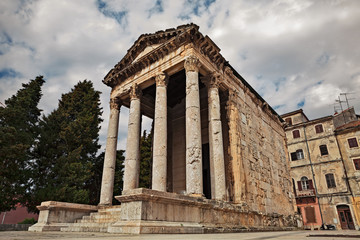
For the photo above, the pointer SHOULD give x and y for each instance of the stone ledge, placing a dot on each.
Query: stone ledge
(56, 215)
(66, 206)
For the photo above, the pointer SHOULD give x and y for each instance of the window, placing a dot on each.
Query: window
(323, 150)
(319, 128)
(288, 121)
(357, 163)
(330, 180)
(353, 142)
(296, 134)
(305, 184)
(299, 154)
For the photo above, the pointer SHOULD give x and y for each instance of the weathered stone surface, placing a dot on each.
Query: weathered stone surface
(149, 211)
(107, 182)
(56, 215)
(194, 184)
(160, 135)
(217, 161)
(132, 160)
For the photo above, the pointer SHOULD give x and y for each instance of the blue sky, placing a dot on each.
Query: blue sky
(295, 53)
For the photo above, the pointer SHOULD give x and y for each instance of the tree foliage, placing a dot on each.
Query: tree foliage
(66, 149)
(18, 131)
(145, 160)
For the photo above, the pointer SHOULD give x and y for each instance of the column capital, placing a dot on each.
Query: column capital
(212, 80)
(192, 64)
(135, 92)
(115, 103)
(161, 80)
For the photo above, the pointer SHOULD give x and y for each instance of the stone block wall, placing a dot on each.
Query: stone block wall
(258, 154)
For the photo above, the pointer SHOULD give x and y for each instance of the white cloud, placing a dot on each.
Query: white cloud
(299, 52)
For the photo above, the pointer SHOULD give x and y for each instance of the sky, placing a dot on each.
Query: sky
(294, 53)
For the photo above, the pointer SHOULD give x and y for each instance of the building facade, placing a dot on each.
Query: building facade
(219, 154)
(322, 168)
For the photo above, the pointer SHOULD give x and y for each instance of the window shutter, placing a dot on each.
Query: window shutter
(293, 156)
(311, 186)
(299, 186)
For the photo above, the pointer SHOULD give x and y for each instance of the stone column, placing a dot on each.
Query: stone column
(217, 164)
(107, 182)
(132, 160)
(160, 135)
(194, 184)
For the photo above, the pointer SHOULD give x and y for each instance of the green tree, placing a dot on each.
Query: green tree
(67, 148)
(18, 130)
(145, 160)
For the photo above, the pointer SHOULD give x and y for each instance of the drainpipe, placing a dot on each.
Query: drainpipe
(313, 174)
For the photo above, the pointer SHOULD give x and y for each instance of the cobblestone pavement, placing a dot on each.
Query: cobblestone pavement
(309, 235)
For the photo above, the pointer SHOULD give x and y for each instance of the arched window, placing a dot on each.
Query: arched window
(305, 184)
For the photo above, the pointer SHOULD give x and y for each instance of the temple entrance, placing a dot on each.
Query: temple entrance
(346, 220)
(206, 170)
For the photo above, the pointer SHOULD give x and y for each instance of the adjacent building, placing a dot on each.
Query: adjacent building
(324, 160)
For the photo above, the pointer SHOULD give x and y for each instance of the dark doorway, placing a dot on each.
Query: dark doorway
(206, 170)
(346, 220)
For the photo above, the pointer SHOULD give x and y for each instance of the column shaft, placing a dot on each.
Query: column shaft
(132, 159)
(107, 182)
(194, 183)
(160, 135)
(217, 164)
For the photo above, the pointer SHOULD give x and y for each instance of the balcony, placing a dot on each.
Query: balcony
(306, 193)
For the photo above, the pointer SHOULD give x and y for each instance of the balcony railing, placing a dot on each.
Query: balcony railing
(306, 193)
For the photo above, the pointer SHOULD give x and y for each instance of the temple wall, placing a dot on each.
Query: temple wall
(260, 169)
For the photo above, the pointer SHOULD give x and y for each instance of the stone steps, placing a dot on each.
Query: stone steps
(96, 222)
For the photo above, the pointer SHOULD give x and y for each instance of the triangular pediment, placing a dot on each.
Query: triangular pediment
(146, 51)
(148, 42)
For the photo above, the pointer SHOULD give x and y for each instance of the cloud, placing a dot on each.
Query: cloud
(294, 53)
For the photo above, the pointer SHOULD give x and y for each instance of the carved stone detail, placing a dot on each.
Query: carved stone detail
(212, 80)
(192, 64)
(162, 80)
(135, 92)
(115, 103)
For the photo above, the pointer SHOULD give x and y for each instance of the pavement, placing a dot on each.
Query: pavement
(290, 235)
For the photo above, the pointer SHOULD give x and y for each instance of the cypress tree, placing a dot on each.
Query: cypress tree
(18, 131)
(67, 148)
(145, 160)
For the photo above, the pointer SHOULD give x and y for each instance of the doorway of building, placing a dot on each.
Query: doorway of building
(345, 217)
(206, 170)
